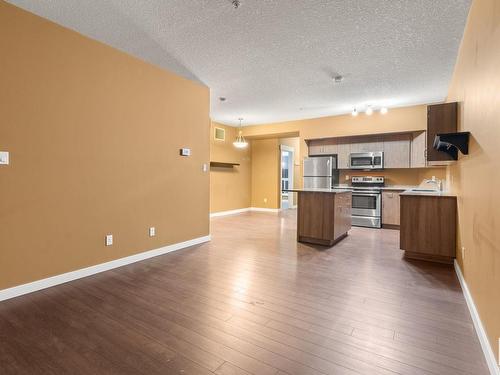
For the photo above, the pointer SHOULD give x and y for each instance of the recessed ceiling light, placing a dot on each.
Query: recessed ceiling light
(384, 110)
(354, 112)
(369, 111)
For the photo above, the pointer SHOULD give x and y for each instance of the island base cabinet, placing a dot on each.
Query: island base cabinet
(428, 227)
(323, 218)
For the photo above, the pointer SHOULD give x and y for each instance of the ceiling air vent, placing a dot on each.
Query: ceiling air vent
(219, 134)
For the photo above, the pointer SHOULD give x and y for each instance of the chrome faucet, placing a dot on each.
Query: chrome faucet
(436, 181)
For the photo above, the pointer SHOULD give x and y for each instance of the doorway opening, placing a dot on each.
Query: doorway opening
(287, 163)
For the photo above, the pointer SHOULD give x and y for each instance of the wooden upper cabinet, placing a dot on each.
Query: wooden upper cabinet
(418, 158)
(321, 147)
(441, 118)
(367, 144)
(397, 151)
(343, 151)
(332, 146)
(330, 149)
(315, 148)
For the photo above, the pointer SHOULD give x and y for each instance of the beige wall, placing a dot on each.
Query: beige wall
(476, 177)
(265, 173)
(94, 136)
(397, 120)
(230, 188)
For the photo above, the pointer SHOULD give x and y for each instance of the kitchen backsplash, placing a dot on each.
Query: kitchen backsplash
(406, 176)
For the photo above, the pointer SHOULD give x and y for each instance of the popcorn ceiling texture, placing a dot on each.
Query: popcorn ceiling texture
(274, 60)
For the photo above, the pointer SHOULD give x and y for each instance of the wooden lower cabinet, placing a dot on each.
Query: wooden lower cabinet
(323, 218)
(428, 227)
(390, 209)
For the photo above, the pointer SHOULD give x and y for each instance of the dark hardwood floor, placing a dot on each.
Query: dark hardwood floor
(252, 301)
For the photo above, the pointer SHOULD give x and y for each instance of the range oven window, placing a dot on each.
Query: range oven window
(364, 202)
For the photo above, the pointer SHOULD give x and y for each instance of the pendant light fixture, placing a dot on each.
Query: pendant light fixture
(240, 140)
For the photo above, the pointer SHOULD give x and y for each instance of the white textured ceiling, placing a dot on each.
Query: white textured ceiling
(274, 60)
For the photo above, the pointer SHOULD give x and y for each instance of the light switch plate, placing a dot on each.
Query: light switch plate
(109, 239)
(152, 232)
(4, 157)
(185, 152)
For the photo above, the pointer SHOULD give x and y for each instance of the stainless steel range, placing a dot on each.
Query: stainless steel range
(367, 201)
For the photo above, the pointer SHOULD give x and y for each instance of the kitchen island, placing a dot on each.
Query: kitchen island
(323, 215)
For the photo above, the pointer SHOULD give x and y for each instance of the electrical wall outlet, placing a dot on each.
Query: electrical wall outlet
(152, 232)
(265, 200)
(185, 152)
(109, 239)
(205, 167)
(347, 177)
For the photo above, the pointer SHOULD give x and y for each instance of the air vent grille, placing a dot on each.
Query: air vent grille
(220, 134)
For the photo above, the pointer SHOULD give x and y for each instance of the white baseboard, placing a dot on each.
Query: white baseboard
(83, 272)
(242, 210)
(261, 209)
(478, 325)
(230, 212)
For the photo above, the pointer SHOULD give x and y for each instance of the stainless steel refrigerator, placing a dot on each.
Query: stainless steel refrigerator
(320, 172)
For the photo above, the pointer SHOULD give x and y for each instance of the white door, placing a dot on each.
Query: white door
(286, 176)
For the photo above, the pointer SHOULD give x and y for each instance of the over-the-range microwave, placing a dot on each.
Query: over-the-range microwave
(366, 160)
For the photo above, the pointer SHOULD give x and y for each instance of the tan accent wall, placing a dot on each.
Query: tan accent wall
(94, 136)
(230, 188)
(476, 177)
(265, 173)
(397, 120)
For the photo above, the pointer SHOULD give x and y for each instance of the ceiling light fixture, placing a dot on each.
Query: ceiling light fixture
(354, 112)
(240, 141)
(369, 110)
(384, 110)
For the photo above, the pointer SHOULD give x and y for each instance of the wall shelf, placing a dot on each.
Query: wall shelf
(221, 164)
